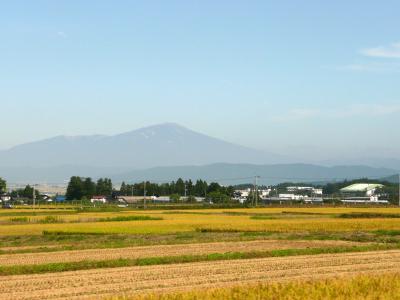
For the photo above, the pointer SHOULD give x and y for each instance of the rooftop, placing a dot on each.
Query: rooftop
(361, 187)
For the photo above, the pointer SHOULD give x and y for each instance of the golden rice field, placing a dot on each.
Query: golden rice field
(68, 254)
(208, 220)
(384, 286)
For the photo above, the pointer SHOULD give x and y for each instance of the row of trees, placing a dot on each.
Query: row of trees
(85, 188)
(26, 192)
(199, 189)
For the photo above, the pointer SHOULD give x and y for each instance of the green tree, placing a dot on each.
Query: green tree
(26, 192)
(104, 187)
(180, 187)
(88, 188)
(3, 185)
(75, 188)
(200, 188)
(175, 197)
(218, 197)
(123, 191)
(214, 187)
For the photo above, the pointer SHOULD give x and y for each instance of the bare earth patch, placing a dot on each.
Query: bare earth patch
(100, 283)
(164, 250)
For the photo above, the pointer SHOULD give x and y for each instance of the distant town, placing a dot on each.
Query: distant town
(103, 192)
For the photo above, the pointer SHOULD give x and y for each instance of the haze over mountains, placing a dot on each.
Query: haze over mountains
(159, 152)
(159, 145)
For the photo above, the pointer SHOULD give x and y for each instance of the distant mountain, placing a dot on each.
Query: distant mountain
(378, 162)
(159, 145)
(161, 153)
(244, 173)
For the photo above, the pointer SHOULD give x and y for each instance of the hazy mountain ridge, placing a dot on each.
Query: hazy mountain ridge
(162, 152)
(159, 145)
(221, 172)
(243, 173)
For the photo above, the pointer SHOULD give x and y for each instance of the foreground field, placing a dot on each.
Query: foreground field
(155, 279)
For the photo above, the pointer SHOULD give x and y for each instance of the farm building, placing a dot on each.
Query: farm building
(130, 199)
(361, 189)
(362, 193)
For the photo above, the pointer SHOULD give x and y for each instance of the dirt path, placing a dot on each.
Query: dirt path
(164, 250)
(100, 283)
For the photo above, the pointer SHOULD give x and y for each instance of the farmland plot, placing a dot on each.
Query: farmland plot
(165, 250)
(133, 280)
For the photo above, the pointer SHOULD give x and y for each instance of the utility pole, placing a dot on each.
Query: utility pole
(256, 184)
(253, 200)
(144, 194)
(185, 190)
(399, 189)
(33, 196)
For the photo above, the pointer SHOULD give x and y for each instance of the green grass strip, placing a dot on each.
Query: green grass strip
(115, 263)
(128, 218)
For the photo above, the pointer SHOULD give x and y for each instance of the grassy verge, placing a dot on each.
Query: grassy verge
(87, 264)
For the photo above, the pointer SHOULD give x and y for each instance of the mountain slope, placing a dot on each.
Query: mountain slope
(160, 145)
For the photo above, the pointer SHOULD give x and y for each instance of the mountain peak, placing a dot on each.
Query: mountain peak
(164, 126)
(162, 144)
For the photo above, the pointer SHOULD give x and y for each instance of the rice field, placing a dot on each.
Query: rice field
(384, 286)
(102, 283)
(276, 219)
(198, 254)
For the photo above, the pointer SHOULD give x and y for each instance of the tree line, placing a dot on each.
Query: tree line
(85, 188)
(176, 189)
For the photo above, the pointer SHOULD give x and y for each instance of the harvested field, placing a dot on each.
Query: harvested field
(164, 250)
(110, 282)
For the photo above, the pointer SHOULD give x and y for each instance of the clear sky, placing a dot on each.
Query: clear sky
(315, 78)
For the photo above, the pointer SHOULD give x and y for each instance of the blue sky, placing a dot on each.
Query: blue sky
(311, 78)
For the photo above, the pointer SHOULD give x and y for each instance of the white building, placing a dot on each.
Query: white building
(368, 189)
(292, 197)
(98, 199)
(5, 197)
(362, 193)
(264, 193)
(310, 189)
